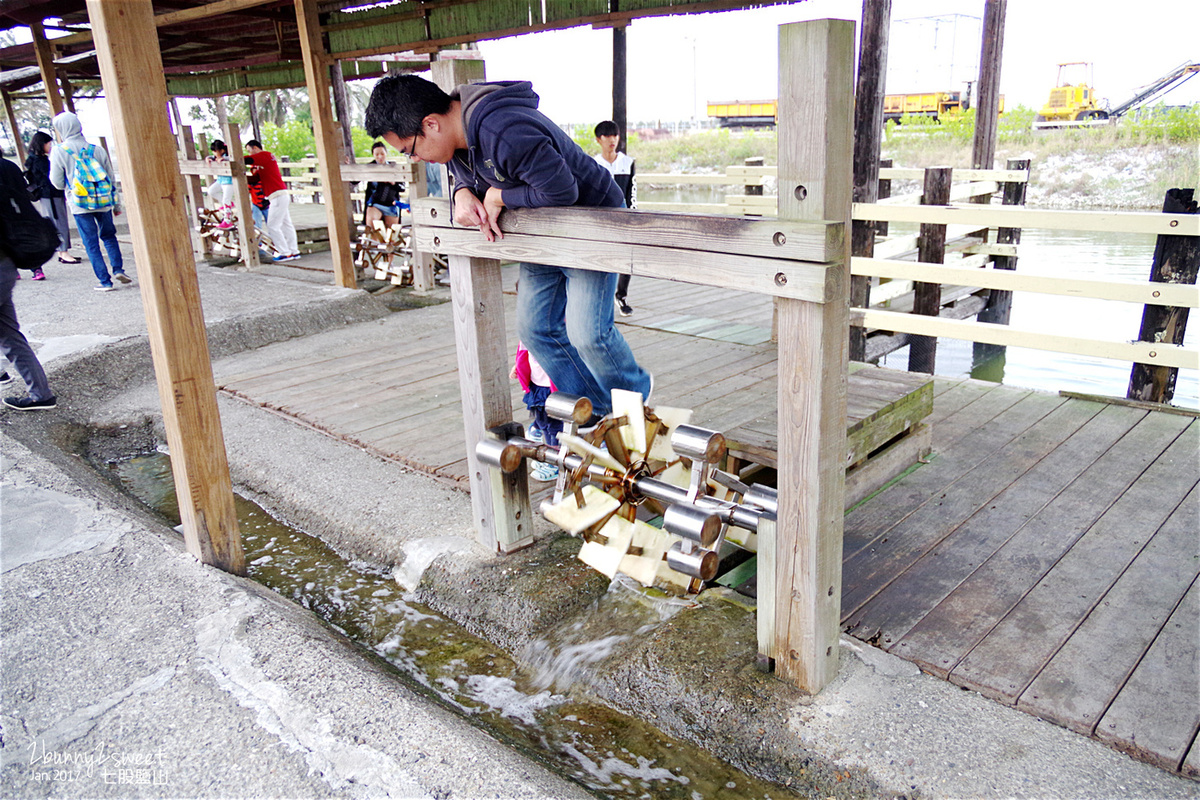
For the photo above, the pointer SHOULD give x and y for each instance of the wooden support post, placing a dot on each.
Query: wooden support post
(13, 126)
(1176, 260)
(422, 262)
(254, 126)
(222, 118)
(816, 80)
(931, 247)
(868, 139)
(620, 84)
(345, 139)
(885, 190)
(999, 303)
(194, 192)
(45, 59)
(68, 93)
(987, 110)
(316, 73)
(241, 196)
(132, 72)
(501, 508)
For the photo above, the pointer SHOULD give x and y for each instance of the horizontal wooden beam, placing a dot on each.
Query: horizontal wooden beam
(777, 277)
(1157, 354)
(1021, 217)
(817, 242)
(1159, 294)
(998, 175)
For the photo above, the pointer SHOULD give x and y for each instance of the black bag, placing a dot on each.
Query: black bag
(27, 237)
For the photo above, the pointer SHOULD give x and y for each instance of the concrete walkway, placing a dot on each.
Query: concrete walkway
(128, 669)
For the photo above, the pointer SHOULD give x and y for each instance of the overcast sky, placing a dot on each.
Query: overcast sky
(677, 64)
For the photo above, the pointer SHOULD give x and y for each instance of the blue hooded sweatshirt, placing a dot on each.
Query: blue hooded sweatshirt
(516, 148)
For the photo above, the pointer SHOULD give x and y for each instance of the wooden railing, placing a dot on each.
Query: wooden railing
(971, 265)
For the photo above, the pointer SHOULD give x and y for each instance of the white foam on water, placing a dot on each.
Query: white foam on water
(502, 694)
(420, 553)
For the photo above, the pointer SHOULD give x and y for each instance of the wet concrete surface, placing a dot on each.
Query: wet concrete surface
(120, 650)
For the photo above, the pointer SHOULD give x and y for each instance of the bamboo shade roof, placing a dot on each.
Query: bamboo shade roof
(231, 46)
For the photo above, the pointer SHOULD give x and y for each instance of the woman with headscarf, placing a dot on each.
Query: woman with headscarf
(95, 225)
(50, 201)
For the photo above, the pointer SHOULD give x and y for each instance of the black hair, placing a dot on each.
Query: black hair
(38, 143)
(400, 103)
(254, 143)
(378, 145)
(218, 145)
(607, 128)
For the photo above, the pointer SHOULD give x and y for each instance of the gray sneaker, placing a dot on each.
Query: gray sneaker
(103, 288)
(122, 277)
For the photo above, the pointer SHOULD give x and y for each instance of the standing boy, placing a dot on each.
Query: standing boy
(621, 167)
(503, 152)
(279, 220)
(93, 211)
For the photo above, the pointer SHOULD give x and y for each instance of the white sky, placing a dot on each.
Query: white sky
(677, 64)
(733, 55)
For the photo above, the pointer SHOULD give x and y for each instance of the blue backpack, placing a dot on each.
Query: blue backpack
(92, 189)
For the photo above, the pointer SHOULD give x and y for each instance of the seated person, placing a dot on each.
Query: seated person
(383, 197)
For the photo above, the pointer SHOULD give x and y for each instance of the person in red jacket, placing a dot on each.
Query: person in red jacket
(279, 220)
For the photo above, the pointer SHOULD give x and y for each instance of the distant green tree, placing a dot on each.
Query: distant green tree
(293, 139)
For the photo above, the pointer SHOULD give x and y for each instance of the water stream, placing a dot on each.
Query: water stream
(532, 706)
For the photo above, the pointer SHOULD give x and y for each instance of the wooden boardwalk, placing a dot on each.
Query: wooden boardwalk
(1046, 556)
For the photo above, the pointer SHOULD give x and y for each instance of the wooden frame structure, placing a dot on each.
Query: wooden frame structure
(802, 259)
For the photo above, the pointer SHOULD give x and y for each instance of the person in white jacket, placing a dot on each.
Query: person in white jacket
(95, 224)
(622, 168)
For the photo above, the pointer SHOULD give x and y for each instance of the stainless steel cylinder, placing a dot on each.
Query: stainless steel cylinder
(569, 407)
(689, 522)
(699, 563)
(763, 497)
(501, 455)
(698, 443)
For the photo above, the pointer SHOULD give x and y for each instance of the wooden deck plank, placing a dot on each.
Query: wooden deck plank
(1013, 652)
(871, 569)
(898, 607)
(944, 636)
(869, 522)
(979, 411)
(1083, 678)
(1156, 715)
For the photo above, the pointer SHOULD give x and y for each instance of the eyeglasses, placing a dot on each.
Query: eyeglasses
(412, 150)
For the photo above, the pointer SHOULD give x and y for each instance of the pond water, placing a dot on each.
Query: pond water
(1064, 254)
(532, 706)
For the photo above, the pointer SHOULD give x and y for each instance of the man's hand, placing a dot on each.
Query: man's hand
(493, 204)
(468, 209)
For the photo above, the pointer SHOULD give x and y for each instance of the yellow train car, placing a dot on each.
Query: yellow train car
(927, 104)
(744, 113)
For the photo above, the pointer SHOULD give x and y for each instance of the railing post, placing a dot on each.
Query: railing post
(195, 192)
(816, 80)
(241, 196)
(999, 303)
(501, 508)
(931, 247)
(1176, 260)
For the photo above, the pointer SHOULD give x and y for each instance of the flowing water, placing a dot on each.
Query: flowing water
(1065, 254)
(531, 706)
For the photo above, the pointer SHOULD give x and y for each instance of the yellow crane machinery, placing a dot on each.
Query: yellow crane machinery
(1073, 100)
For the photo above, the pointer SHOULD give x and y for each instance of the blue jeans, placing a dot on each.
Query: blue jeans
(95, 227)
(565, 318)
(13, 343)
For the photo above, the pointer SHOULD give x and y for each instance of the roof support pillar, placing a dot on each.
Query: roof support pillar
(45, 59)
(132, 73)
(12, 124)
(316, 71)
